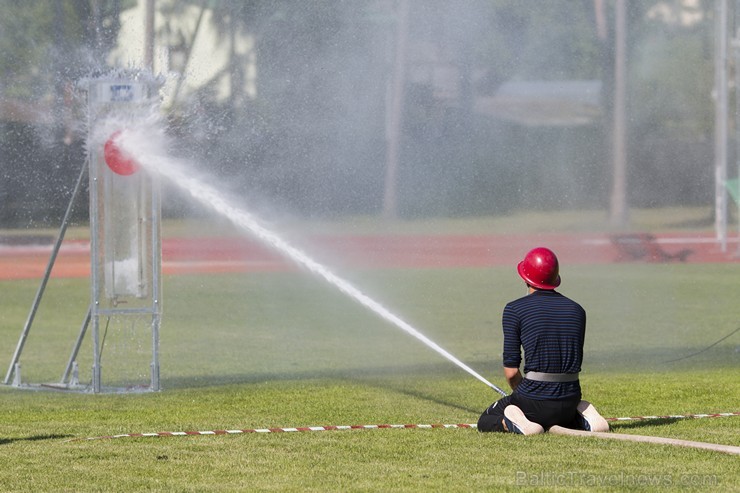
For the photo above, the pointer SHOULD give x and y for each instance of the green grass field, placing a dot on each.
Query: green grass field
(282, 349)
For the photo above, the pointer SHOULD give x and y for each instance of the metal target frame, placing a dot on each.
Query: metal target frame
(125, 245)
(125, 239)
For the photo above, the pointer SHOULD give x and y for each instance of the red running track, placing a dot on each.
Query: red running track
(219, 255)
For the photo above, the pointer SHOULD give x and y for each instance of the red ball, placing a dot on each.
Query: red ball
(116, 160)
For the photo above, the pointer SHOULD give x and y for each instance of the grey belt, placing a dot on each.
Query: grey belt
(551, 377)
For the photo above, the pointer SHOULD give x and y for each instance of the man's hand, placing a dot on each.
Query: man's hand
(513, 376)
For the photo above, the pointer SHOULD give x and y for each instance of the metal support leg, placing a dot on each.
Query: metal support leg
(45, 279)
(76, 349)
(155, 353)
(96, 370)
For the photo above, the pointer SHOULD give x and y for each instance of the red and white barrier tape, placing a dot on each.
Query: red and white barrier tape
(674, 416)
(280, 430)
(369, 427)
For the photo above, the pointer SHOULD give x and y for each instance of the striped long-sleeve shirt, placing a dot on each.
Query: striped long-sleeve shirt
(550, 328)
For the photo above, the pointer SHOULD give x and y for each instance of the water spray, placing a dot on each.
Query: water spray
(137, 144)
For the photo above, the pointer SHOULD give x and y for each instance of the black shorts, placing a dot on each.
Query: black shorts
(546, 413)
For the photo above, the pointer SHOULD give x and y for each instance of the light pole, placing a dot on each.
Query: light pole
(618, 209)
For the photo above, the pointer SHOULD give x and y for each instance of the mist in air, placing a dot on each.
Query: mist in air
(394, 110)
(407, 109)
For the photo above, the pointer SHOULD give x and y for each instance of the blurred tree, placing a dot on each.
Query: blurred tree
(554, 40)
(72, 36)
(45, 47)
(312, 136)
(668, 105)
(671, 107)
(319, 118)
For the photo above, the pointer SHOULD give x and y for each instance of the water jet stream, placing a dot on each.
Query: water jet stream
(149, 156)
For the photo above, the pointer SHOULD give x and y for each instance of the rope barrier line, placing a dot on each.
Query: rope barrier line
(675, 416)
(368, 427)
(278, 430)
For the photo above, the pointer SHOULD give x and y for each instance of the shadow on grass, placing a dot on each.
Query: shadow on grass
(643, 423)
(430, 398)
(32, 438)
(379, 377)
(363, 375)
(680, 359)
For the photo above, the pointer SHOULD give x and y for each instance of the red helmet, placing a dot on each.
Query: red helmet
(540, 268)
